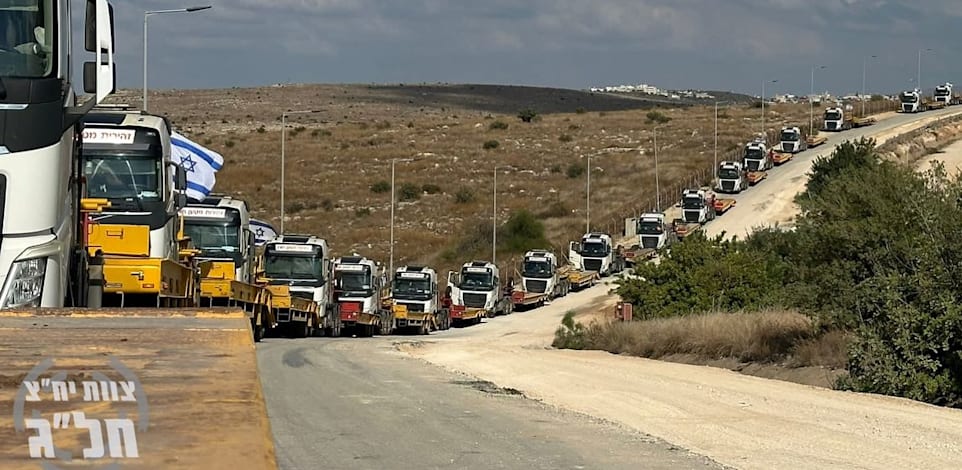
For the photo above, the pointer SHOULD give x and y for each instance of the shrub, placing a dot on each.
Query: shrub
(565, 138)
(431, 188)
(554, 210)
(571, 334)
(490, 145)
(327, 205)
(381, 187)
(229, 144)
(523, 231)
(409, 192)
(498, 125)
(555, 168)
(580, 111)
(657, 117)
(527, 115)
(464, 196)
(261, 130)
(575, 170)
(362, 211)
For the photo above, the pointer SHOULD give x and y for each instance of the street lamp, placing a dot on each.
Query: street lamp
(588, 196)
(283, 138)
(811, 102)
(654, 132)
(864, 60)
(715, 168)
(393, 161)
(494, 214)
(918, 80)
(157, 12)
(764, 132)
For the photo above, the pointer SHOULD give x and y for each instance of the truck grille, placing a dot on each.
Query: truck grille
(691, 216)
(728, 185)
(593, 264)
(535, 286)
(831, 125)
(788, 147)
(906, 108)
(412, 307)
(649, 242)
(474, 300)
(753, 165)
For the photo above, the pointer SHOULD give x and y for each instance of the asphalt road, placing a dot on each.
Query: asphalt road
(355, 403)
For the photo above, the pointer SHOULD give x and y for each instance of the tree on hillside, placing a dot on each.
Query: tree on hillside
(847, 156)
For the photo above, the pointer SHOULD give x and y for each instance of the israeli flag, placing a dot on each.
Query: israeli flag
(200, 163)
(263, 232)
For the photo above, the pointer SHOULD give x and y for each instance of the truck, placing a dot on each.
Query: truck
(360, 291)
(757, 160)
(697, 205)
(543, 279)
(415, 299)
(839, 119)
(296, 268)
(126, 161)
(653, 231)
(476, 292)
(943, 94)
(595, 252)
(911, 101)
(219, 227)
(732, 177)
(792, 141)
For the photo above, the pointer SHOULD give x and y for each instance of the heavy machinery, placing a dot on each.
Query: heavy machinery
(732, 177)
(595, 252)
(757, 160)
(296, 269)
(911, 101)
(43, 262)
(416, 301)
(697, 205)
(219, 227)
(476, 292)
(126, 161)
(542, 279)
(360, 292)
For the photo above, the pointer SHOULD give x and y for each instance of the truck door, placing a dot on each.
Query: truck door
(454, 282)
(574, 253)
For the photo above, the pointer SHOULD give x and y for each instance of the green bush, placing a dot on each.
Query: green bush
(431, 188)
(381, 187)
(527, 115)
(523, 231)
(657, 117)
(464, 196)
(490, 145)
(409, 192)
(570, 335)
(565, 138)
(575, 170)
(498, 125)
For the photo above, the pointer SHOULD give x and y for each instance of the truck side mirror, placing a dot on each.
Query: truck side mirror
(180, 178)
(99, 37)
(180, 201)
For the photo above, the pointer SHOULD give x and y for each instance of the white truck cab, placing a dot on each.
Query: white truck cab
(791, 140)
(477, 285)
(416, 287)
(652, 231)
(834, 119)
(539, 273)
(357, 281)
(301, 262)
(595, 252)
(219, 226)
(756, 156)
(732, 177)
(910, 101)
(697, 205)
(943, 94)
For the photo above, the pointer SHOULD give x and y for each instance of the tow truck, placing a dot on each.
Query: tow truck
(732, 177)
(757, 160)
(415, 299)
(360, 291)
(476, 292)
(543, 279)
(595, 253)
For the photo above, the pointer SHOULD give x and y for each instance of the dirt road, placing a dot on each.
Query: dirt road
(737, 420)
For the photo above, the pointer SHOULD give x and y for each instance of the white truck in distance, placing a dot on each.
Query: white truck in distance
(302, 263)
(478, 286)
(358, 285)
(756, 156)
(910, 101)
(834, 120)
(595, 252)
(943, 94)
(43, 262)
(792, 141)
(653, 232)
(416, 289)
(541, 274)
(732, 177)
(219, 226)
(697, 205)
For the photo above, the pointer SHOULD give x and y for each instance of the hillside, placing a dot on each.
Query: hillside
(338, 158)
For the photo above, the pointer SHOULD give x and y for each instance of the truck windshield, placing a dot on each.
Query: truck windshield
(214, 241)
(411, 289)
(728, 173)
(941, 92)
(594, 249)
(833, 115)
(789, 136)
(536, 269)
(121, 177)
(754, 153)
(354, 283)
(476, 281)
(908, 98)
(692, 203)
(293, 267)
(26, 32)
(649, 228)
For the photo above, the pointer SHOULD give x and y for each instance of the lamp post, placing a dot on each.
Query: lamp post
(811, 102)
(764, 132)
(494, 214)
(283, 138)
(715, 168)
(158, 12)
(864, 61)
(654, 132)
(918, 79)
(588, 196)
(393, 162)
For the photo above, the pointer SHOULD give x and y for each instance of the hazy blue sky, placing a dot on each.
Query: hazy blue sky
(708, 44)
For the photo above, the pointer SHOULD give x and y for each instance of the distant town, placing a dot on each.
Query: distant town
(644, 88)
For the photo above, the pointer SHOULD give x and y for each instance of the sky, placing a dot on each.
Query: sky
(731, 45)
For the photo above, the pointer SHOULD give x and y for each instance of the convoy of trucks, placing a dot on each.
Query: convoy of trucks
(837, 119)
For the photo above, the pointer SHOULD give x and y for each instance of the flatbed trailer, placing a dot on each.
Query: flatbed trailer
(869, 120)
(528, 299)
(578, 279)
(194, 374)
(779, 158)
(637, 254)
(722, 205)
(304, 317)
(815, 140)
(754, 177)
(422, 322)
(219, 289)
(461, 315)
(683, 229)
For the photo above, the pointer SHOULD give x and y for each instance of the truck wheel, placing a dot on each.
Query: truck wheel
(425, 329)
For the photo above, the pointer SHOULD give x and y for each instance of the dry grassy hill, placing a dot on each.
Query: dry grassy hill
(338, 159)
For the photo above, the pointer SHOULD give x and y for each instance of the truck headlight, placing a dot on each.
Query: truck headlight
(24, 284)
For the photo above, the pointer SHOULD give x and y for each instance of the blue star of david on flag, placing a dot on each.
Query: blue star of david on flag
(263, 231)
